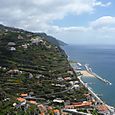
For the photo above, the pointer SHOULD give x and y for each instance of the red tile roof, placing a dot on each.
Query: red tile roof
(102, 108)
(20, 99)
(23, 94)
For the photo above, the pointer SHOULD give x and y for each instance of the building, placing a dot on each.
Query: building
(56, 112)
(20, 99)
(11, 44)
(79, 104)
(24, 95)
(12, 49)
(58, 101)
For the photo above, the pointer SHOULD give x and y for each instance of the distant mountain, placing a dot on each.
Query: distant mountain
(34, 71)
(51, 39)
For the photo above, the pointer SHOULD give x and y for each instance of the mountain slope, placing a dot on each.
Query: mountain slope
(52, 39)
(30, 64)
(44, 35)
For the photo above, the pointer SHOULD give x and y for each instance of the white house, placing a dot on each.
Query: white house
(36, 40)
(25, 46)
(11, 44)
(58, 101)
(12, 49)
(20, 37)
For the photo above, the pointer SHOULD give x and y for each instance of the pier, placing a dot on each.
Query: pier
(89, 70)
(100, 78)
(111, 110)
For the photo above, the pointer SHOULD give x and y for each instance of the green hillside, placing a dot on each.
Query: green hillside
(30, 63)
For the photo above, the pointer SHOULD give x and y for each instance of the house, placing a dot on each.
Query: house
(25, 46)
(14, 71)
(40, 76)
(31, 93)
(30, 75)
(42, 113)
(58, 85)
(11, 44)
(71, 83)
(42, 108)
(58, 101)
(56, 112)
(70, 72)
(76, 82)
(79, 104)
(36, 40)
(60, 79)
(24, 95)
(67, 78)
(102, 108)
(4, 68)
(12, 49)
(76, 87)
(14, 104)
(21, 99)
(20, 37)
(33, 102)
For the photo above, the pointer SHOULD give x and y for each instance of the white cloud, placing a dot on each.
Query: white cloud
(103, 22)
(101, 4)
(37, 15)
(100, 31)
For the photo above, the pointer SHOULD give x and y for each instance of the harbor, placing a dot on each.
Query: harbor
(98, 101)
(89, 70)
(103, 67)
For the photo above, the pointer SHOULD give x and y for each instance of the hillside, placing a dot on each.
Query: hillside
(42, 35)
(52, 39)
(30, 64)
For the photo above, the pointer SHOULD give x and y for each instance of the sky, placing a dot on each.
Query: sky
(72, 21)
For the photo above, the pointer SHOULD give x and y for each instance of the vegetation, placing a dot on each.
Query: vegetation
(30, 63)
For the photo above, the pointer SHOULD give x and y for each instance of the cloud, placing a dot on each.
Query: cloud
(104, 21)
(37, 15)
(101, 4)
(99, 31)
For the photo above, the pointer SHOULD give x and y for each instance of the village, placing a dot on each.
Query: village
(55, 104)
(38, 79)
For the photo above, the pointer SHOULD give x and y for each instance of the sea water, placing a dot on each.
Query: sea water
(101, 59)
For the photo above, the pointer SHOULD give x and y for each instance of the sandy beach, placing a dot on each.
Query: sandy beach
(86, 73)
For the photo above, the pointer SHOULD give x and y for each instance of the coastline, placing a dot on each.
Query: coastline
(85, 73)
(111, 110)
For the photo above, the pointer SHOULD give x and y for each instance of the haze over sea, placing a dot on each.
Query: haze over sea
(101, 59)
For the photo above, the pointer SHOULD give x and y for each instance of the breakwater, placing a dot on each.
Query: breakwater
(89, 70)
(111, 110)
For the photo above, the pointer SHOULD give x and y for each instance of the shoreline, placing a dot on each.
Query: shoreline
(89, 89)
(89, 70)
(111, 109)
(85, 73)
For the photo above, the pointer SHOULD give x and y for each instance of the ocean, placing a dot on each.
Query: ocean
(101, 59)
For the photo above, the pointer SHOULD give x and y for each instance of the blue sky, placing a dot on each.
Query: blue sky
(72, 21)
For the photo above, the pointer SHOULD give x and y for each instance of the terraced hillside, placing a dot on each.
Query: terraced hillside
(31, 64)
